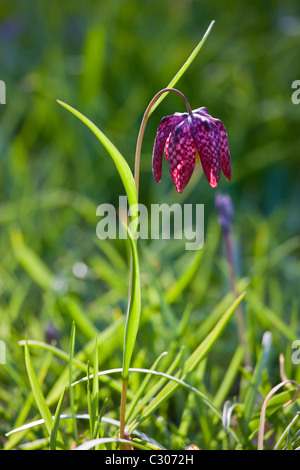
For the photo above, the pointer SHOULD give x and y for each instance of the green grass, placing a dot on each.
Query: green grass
(188, 382)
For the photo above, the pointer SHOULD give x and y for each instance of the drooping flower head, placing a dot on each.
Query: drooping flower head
(186, 137)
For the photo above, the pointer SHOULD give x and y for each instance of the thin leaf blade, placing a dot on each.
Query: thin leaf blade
(134, 309)
(38, 395)
(185, 66)
(120, 162)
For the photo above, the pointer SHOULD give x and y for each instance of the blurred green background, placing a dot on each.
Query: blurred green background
(108, 59)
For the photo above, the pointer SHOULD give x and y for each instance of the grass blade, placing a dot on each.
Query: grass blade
(142, 387)
(89, 396)
(178, 287)
(260, 365)
(73, 308)
(156, 387)
(229, 377)
(71, 390)
(134, 309)
(269, 319)
(54, 432)
(110, 336)
(207, 344)
(176, 380)
(199, 354)
(185, 66)
(120, 162)
(31, 262)
(54, 350)
(227, 413)
(105, 440)
(38, 395)
(286, 431)
(95, 391)
(37, 392)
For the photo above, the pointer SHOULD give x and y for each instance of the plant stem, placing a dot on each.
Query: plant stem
(261, 428)
(239, 313)
(136, 179)
(143, 126)
(122, 411)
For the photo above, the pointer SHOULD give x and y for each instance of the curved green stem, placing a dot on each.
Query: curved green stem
(143, 126)
(136, 179)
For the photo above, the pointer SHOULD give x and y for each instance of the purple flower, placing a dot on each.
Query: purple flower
(51, 334)
(224, 207)
(184, 137)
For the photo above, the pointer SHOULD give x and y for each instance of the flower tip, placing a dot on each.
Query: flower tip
(157, 177)
(227, 173)
(213, 181)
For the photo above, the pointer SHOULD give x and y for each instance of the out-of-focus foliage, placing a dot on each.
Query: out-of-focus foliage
(108, 59)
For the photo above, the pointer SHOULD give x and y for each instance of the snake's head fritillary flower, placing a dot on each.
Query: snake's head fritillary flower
(186, 137)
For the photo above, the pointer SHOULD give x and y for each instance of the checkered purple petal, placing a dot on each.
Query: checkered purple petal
(208, 142)
(181, 154)
(165, 127)
(202, 111)
(226, 161)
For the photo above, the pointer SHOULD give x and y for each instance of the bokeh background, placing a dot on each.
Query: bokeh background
(108, 59)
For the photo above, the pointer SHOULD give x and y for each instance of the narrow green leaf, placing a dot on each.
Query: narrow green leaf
(198, 355)
(165, 376)
(134, 309)
(156, 387)
(260, 365)
(105, 440)
(13, 441)
(83, 323)
(165, 309)
(71, 389)
(229, 376)
(227, 413)
(54, 432)
(142, 387)
(31, 262)
(275, 403)
(120, 162)
(270, 319)
(54, 350)
(99, 419)
(38, 394)
(286, 431)
(112, 337)
(172, 379)
(93, 53)
(178, 287)
(147, 397)
(95, 392)
(89, 397)
(185, 66)
(207, 344)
